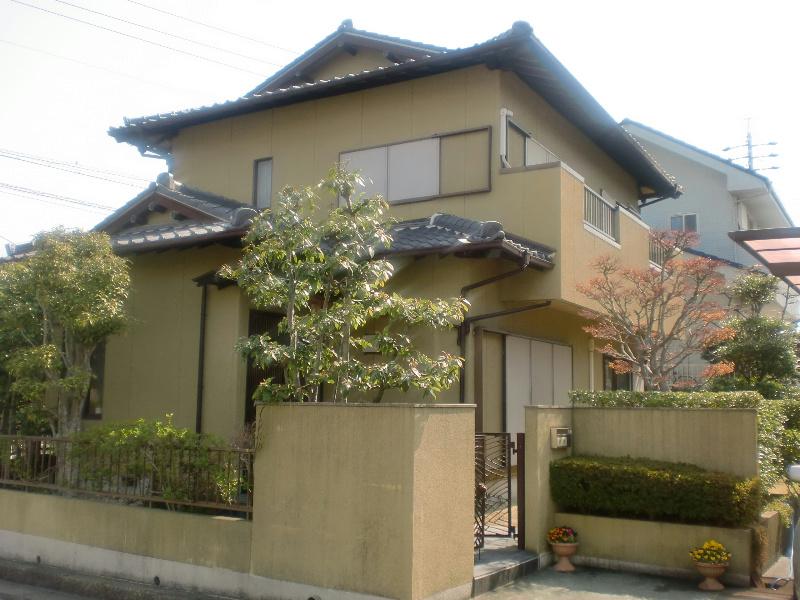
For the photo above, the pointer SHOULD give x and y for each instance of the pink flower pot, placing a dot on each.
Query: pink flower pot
(563, 552)
(711, 572)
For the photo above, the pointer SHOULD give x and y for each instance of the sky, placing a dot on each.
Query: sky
(70, 69)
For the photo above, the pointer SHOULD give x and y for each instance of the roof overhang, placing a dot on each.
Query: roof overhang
(777, 249)
(516, 50)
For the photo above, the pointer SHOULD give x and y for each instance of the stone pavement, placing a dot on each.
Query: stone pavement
(596, 584)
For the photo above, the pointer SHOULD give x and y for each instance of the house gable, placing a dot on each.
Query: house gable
(347, 50)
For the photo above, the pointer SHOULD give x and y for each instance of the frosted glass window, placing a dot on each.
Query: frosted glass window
(414, 170)
(263, 183)
(372, 164)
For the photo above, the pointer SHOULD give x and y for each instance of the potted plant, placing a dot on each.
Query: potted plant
(711, 560)
(564, 542)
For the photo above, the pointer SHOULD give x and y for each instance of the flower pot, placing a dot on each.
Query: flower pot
(711, 572)
(563, 552)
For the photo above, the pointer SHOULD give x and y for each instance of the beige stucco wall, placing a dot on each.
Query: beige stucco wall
(562, 138)
(384, 505)
(199, 540)
(714, 439)
(151, 369)
(539, 507)
(624, 544)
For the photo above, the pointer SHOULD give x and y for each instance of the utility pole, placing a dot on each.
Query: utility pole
(749, 145)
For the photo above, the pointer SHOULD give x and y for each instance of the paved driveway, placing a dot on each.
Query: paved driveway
(595, 584)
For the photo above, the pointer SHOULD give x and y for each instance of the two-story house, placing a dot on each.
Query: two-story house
(506, 177)
(718, 197)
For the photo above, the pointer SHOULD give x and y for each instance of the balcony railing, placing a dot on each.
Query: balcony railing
(657, 253)
(600, 214)
(216, 480)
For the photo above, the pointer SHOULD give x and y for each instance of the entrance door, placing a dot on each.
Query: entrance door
(260, 322)
(537, 373)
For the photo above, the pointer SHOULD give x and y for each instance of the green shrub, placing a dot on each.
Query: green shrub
(155, 459)
(655, 490)
(771, 417)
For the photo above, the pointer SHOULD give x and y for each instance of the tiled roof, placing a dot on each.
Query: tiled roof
(451, 234)
(516, 50)
(439, 233)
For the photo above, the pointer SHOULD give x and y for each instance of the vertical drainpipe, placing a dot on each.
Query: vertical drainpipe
(591, 364)
(201, 359)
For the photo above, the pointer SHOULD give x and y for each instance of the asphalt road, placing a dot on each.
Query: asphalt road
(17, 591)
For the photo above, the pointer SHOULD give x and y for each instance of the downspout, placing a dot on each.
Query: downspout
(201, 359)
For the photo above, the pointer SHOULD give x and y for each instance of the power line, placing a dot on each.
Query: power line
(70, 165)
(106, 69)
(49, 166)
(173, 35)
(56, 203)
(59, 197)
(214, 27)
(134, 37)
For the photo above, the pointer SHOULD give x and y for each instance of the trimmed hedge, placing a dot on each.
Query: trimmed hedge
(774, 417)
(654, 490)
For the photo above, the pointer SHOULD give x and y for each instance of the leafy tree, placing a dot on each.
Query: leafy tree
(326, 279)
(650, 319)
(762, 349)
(58, 304)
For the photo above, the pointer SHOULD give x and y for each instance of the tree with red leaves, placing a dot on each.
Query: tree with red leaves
(653, 319)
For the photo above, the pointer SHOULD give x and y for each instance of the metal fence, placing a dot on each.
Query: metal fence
(600, 214)
(218, 480)
(493, 515)
(657, 253)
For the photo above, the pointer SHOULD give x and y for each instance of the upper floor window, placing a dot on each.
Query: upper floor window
(518, 147)
(683, 222)
(447, 164)
(262, 183)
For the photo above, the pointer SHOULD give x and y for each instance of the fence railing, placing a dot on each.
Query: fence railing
(657, 253)
(600, 214)
(172, 476)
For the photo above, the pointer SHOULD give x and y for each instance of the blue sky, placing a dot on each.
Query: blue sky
(695, 70)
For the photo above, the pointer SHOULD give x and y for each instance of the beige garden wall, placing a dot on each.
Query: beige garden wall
(375, 499)
(218, 542)
(714, 439)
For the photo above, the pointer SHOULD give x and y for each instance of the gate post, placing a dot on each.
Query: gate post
(521, 491)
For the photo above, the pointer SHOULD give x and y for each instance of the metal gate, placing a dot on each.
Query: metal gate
(493, 491)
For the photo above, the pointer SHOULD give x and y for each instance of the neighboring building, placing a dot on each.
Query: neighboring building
(718, 197)
(495, 160)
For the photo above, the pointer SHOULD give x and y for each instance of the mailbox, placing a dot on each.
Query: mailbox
(560, 437)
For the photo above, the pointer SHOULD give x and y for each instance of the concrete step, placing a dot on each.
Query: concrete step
(500, 563)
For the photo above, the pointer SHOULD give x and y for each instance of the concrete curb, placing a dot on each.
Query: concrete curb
(92, 586)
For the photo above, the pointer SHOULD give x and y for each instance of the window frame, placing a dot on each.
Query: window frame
(683, 222)
(255, 180)
(440, 136)
(98, 364)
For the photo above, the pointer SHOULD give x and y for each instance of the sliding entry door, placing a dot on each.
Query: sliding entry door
(537, 373)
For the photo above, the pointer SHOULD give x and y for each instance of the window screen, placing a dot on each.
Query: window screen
(372, 164)
(690, 222)
(676, 222)
(263, 183)
(414, 170)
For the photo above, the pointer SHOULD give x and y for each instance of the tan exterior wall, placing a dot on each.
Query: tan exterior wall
(151, 369)
(385, 503)
(714, 439)
(540, 509)
(199, 540)
(565, 140)
(626, 544)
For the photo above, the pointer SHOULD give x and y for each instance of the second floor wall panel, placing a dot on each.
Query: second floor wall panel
(567, 142)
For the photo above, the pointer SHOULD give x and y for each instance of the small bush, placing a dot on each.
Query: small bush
(155, 459)
(654, 490)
